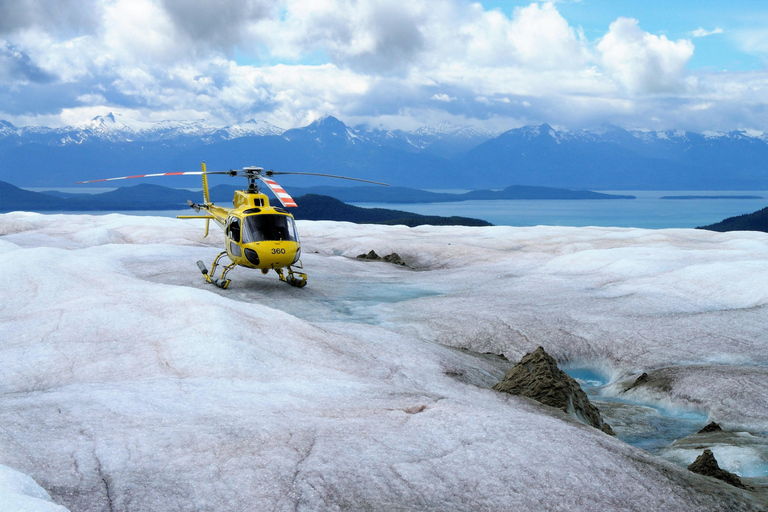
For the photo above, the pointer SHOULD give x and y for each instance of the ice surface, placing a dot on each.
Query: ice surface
(734, 396)
(738, 452)
(650, 428)
(128, 383)
(19, 493)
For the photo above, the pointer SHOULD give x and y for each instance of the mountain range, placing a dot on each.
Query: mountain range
(440, 157)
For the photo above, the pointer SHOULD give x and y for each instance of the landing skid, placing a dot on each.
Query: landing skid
(297, 279)
(222, 281)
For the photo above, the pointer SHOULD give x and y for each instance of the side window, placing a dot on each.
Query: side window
(234, 229)
(292, 230)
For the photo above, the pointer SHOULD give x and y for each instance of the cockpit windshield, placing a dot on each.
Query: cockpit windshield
(258, 228)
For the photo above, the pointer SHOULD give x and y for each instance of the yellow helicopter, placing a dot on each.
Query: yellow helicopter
(256, 234)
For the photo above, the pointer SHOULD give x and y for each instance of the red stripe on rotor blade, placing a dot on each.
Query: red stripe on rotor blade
(281, 194)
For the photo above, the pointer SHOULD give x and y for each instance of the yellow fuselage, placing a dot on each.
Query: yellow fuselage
(257, 235)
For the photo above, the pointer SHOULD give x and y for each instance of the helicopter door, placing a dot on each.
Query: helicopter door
(233, 233)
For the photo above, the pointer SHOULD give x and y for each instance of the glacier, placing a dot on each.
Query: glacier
(128, 383)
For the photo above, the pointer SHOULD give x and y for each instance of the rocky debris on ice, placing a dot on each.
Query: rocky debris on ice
(659, 382)
(704, 388)
(537, 376)
(642, 379)
(741, 454)
(706, 464)
(710, 427)
(393, 258)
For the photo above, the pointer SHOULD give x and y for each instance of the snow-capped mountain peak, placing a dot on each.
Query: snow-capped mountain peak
(446, 128)
(115, 122)
(253, 127)
(324, 130)
(327, 123)
(7, 129)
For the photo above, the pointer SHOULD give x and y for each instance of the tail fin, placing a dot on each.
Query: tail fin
(206, 196)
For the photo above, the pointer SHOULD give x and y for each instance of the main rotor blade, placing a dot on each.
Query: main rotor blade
(198, 173)
(280, 193)
(270, 173)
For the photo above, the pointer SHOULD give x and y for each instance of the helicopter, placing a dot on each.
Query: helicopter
(257, 235)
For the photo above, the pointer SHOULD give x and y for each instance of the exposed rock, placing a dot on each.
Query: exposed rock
(706, 464)
(537, 376)
(393, 258)
(642, 379)
(658, 381)
(712, 427)
(370, 256)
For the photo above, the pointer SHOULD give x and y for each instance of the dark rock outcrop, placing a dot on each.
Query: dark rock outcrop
(537, 376)
(642, 379)
(706, 464)
(370, 256)
(658, 380)
(712, 427)
(393, 258)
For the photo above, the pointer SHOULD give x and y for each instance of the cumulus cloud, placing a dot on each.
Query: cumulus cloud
(402, 62)
(641, 61)
(59, 16)
(377, 36)
(541, 37)
(17, 67)
(218, 25)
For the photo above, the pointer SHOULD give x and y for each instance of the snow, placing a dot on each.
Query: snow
(252, 128)
(447, 129)
(130, 384)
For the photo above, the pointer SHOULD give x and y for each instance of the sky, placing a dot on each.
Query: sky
(697, 65)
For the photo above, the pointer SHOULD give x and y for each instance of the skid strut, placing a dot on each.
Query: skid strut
(297, 279)
(222, 281)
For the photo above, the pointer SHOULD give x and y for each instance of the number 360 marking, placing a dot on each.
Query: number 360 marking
(278, 251)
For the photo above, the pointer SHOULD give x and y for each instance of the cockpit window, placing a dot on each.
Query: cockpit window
(258, 228)
(234, 229)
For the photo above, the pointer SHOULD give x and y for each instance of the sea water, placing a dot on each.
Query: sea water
(648, 210)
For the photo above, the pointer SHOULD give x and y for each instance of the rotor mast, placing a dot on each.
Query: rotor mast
(252, 174)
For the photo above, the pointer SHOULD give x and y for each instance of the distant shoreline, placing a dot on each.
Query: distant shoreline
(711, 197)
